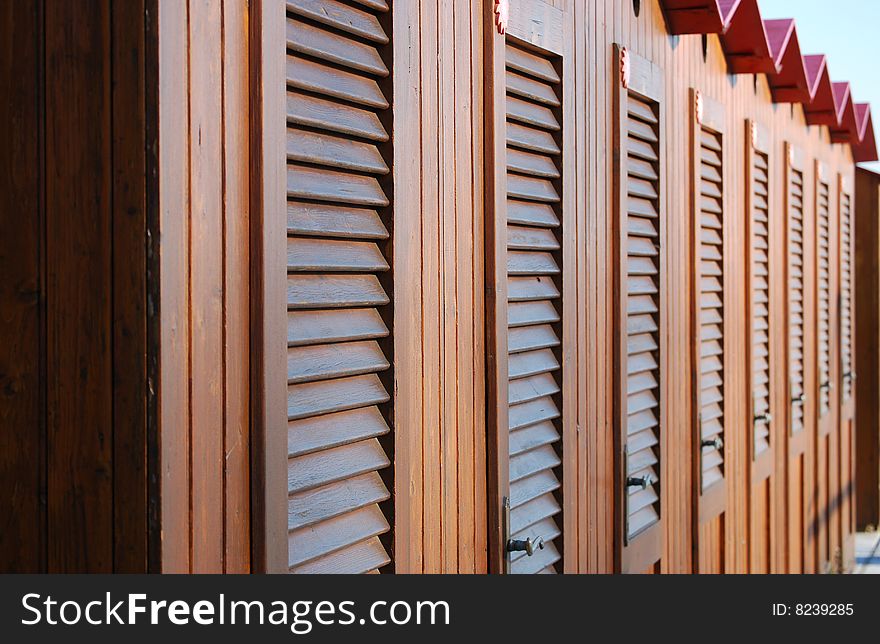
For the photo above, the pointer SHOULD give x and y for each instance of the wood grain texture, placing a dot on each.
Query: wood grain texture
(23, 536)
(78, 287)
(204, 249)
(456, 308)
(867, 359)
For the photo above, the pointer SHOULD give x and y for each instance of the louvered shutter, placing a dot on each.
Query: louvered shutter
(847, 373)
(534, 302)
(759, 244)
(797, 391)
(846, 295)
(823, 296)
(640, 320)
(709, 309)
(338, 286)
(529, 312)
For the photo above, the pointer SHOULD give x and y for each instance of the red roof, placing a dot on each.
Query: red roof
(866, 150)
(745, 42)
(699, 16)
(847, 130)
(822, 110)
(790, 84)
(753, 45)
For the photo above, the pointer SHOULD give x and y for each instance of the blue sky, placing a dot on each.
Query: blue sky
(847, 32)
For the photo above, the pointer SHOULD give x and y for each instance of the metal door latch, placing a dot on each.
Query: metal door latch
(639, 481)
(529, 546)
(766, 417)
(799, 400)
(715, 443)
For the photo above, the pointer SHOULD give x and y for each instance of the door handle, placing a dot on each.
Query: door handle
(766, 417)
(799, 400)
(529, 546)
(639, 481)
(715, 443)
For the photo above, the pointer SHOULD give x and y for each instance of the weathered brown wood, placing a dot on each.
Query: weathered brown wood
(78, 304)
(23, 536)
(867, 358)
(267, 181)
(129, 288)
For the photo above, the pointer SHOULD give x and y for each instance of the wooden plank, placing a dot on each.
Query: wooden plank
(78, 310)
(129, 289)
(174, 328)
(267, 205)
(23, 544)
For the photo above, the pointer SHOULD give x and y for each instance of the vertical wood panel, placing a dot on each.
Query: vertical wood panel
(867, 332)
(236, 261)
(79, 309)
(22, 420)
(174, 393)
(129, 288)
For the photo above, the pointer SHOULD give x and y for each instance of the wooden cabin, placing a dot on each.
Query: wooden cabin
(419, 286)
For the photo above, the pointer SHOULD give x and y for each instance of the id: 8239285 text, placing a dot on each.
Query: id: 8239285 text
(813, 609)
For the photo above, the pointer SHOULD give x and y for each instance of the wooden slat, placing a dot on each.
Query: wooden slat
(330, 220)
(332, 430)
(334, 325)
(332, 535)
(337, 464)
(334, 151)
(531, 64)
(319, 504)
(532, 139)
(331, 115)
(327, 45)
(323, 185)
(306, 74)
(531, 89)
(340, 16)
(324, 291)
(336, 360)
(530, 113)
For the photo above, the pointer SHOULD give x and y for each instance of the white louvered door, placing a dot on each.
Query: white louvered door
(338, 286)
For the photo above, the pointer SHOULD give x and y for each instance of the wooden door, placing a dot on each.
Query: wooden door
(761, 266)
(640, 311)
(708, 323)
(799, 463)
(339, 280)
(846, 336)
(826, 440)
(530, 310)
